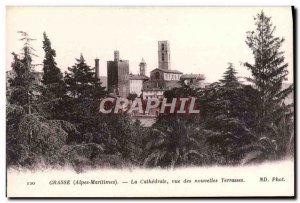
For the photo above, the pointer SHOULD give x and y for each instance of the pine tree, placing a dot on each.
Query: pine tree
(225, 117)
(224, 96)
(81, 81)
(31, 138)
(229, 78)
(84, 92)
(268, 73)
(230, 91)
(52, 73)
(52, 77)
(22, 84)
(53, 86)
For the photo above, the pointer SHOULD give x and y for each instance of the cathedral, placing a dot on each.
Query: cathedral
(122, 83)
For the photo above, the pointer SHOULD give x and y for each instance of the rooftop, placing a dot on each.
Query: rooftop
(167, 71)
(137, 77)
(143, 61)
(193, 76)
(165, 85)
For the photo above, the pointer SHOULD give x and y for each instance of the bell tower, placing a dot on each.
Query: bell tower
(143, 66)
(164, 61)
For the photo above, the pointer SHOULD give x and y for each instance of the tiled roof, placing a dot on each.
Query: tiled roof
(165, 85)
(137, 77)
(193, 76)
(167, 71)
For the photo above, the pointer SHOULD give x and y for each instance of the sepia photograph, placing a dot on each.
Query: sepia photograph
(150, 102)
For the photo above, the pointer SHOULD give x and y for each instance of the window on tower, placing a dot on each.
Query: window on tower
(163, 47)
(162, 56)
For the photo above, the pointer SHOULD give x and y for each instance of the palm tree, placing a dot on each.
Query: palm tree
(174, 142)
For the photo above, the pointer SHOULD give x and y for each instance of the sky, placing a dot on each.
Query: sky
(202, 39)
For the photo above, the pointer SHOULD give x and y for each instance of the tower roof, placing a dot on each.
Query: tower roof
(163, 41)
(143, 61)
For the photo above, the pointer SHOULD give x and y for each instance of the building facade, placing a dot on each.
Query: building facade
(136, 83)
(149, 93)
(163, 78)
(165, 74)
(195, 80)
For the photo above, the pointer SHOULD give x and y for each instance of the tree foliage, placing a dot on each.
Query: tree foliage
(175, 141)
(268, 73)
(52, 76)
(22, 84)
(31, 138)
(226, 109)
(82, 82)
(58, 122)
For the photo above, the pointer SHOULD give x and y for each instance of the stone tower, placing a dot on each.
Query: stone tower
(164, 61)
(116, 56)
(117, 71)
(143, 66)
(97, 71)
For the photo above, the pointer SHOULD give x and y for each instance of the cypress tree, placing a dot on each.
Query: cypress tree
(52, 77)
(52, 73)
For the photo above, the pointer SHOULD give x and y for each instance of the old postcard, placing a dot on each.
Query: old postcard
(150, 102)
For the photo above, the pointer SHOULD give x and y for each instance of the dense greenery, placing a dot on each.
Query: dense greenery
(57, 122)
(268, 73)
(52, 77)
(31, 137)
